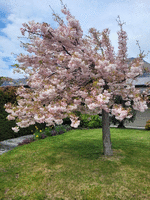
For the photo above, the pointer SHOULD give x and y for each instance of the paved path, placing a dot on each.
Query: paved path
(129, 127)
(10, 144)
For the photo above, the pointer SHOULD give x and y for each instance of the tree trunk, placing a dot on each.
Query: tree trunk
(121, 125)
(106, 134)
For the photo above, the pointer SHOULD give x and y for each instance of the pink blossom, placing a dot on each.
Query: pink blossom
(39, 119)
(119, 112)
(141, 106)
(71, 72)
(93, 106)
(101, 82)
(22, 31)
(15, 129)
(9, 117)
(128, 103)
(75, 123)
(58, 121)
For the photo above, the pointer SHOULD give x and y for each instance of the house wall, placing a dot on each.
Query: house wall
(141, 119)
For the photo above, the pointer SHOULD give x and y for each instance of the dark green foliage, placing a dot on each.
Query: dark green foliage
(90, 121)
(60, 129)
(43, 136)
(95, 122)
(54, 133)
(47, 131)
(1, 81)
(66, 121)
(57, 130)
(147, 126)
(86, 121)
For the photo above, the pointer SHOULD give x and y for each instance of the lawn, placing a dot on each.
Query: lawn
(71, 166)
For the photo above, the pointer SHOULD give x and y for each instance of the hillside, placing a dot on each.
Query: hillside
(146, 67)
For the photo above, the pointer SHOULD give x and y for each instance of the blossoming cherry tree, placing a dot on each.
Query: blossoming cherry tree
(69, 72)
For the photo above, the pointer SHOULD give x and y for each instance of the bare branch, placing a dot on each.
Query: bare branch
(66, 50)
(57, 18)
(119, 22)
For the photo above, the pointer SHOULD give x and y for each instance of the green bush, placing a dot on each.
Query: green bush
(60, 129)
(90, 121)
(66, 121)
(51, 131)
(86, 121)
(95, 122)
(147, 126)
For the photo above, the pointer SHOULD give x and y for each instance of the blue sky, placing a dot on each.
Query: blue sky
(99, 14)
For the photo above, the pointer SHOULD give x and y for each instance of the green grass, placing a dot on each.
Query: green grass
(71, 166)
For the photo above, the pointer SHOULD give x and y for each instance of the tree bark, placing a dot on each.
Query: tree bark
(107, 147)
(121, 125)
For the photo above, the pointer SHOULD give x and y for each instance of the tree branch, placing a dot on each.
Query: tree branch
(66, 50)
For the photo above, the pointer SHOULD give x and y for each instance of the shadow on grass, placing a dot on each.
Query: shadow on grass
(134, 153)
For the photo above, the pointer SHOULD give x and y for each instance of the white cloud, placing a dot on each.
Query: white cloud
(7, 72)
(91, 13)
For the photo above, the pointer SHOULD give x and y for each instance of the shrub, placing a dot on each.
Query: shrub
(54, 133)
(39, 134)
(90, 121)
(66, 121)
(86, 121)
(47, 131)
(26, 141)
(68, 128)
(29, 140)
(60, 129)
(51, 131)
(43, 136)
(95, 122)
(147, 126)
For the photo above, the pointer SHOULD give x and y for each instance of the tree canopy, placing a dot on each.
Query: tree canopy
(71, 72)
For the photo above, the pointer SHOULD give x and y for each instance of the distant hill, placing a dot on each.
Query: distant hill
(3, 79)
(146, 67)
(14, 82)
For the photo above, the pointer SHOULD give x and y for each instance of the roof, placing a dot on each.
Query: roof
(146, 68)
(140, 81)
